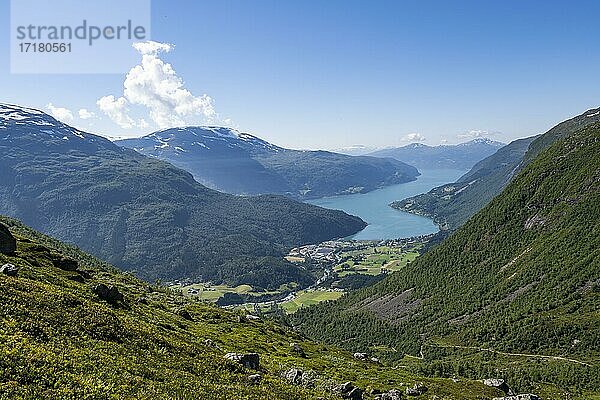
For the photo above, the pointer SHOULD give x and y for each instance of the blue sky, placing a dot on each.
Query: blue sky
(330, 74)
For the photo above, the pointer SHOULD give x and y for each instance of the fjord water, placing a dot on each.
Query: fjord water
(384, 221)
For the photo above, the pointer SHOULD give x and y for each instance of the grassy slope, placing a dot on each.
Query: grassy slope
(498, 284)
(60, 342)
(453, 204)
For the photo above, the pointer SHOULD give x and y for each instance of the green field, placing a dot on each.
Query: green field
(308, 298)
(374, 261)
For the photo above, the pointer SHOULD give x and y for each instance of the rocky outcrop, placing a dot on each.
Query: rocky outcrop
(499, 384)
(417, 389)
(349, 391)
(393, 394)
(293, 375)
(248, 360)
(108, 293)
(9, 270)
(65, 263)
(8, 243)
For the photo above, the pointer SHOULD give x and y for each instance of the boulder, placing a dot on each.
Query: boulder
(293, 375)
(499, 384)
(393, 394)
(360, 356)
(417, 389)
(108, 293)
(255, 378)
(9, 270)
(65, 263)
(526, 396)
(8, 243)
(349, 391)
(248, 360)
(297, 349)
(183, 313)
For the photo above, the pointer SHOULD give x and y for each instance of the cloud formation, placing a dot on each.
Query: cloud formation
(412, 138)
(477, 133)
(60, 113)
(85, 114)
(156, 86)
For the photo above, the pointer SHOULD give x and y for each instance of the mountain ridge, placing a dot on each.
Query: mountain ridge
(240, 163)
(456, 156)
(137, 211)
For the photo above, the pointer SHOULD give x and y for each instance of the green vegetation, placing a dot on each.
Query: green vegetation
(148, 217)
(451, 205)
(514, 293)
(307, 298)
(60, 341)
(375, 260)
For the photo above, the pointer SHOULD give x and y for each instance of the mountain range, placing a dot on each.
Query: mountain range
(145, 215)
(239, 163)
(451, 205)
(514, 290)
(457, 156)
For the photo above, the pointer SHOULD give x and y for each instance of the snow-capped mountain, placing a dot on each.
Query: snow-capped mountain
(240, 163)
(22, 126)
(457, 156)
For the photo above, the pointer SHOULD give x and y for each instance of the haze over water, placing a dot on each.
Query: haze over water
(384, 221)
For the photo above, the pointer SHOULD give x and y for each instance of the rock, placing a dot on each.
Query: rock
(248, 360)
(349, 391)
(293, 375)
(76, 278)
(360, 356)
(65, 263)
(8, 243)
(183, 313)
(9, 270)
(526, 396)
(251, 317)
(417, 389)
(393, 394)
(499, 384)
(108, 293)
(297, 349)
(210, 343)
(375, 360)
(255, 378)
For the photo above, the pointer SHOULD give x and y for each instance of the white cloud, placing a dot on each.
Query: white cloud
(412, 138)
(477, 133)
(85, 114)
(60, 113)
(117, 110)
(155, 85)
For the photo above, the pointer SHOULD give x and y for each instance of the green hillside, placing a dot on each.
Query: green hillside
(520, 280)
(62, 340)
(147, 216)
(451, 205)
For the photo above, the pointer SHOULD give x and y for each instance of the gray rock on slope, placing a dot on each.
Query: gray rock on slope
(9, 270)
(8, 243)
(248, 360)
